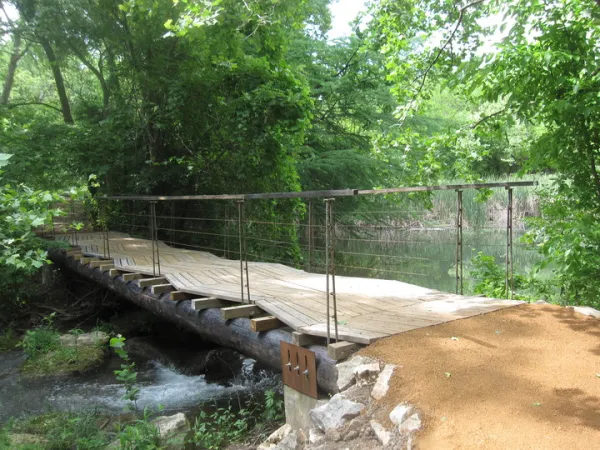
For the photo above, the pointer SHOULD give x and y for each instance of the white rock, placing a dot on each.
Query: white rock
(289, 442)
(383, 382)
(278, 435)
(93, 338)
(382, 434)
(346, 375)
(171, 425)
(541, 302)
(366, 373)
(335, 413)
(315, 436)
(587, 311)
(400, 413)
(413, 423)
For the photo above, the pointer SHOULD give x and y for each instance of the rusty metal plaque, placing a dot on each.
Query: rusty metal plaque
(299, 369)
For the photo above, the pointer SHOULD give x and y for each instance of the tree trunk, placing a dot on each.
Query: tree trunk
(58, 79)
(12, 69)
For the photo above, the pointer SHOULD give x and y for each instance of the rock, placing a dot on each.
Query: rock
(400, 413)
(278, 435)
(366, 373)
(382, 434)
(413, 423)
(290, 442)
(19, 440)
(541, 302)
(346, 375)
(315, 436)
(335, 413)
(172, 429)
(383, 382)
(68, 340)
(587, 311)
(93, 338)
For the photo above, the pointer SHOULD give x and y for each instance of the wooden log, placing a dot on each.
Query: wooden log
(152, 281)
(303, 340)
(236, 334)
(240, 311)
(178, 296)
(158, 289)
(132, 276)
(342, 350)
(265, 323)
(200, 304)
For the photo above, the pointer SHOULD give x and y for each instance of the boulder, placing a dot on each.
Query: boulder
(172, 429)
(383, 382)
(413, 423)
(400, 413)
(335, 413)
(93, 338)
(366, 373)
(381, 433)
(587, 311)
(346, 371)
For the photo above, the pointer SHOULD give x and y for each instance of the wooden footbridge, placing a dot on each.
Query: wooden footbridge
(253, 306)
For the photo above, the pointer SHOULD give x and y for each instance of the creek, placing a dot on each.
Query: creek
(176, 373)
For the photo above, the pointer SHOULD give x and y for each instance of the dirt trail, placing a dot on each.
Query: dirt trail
(526, 377)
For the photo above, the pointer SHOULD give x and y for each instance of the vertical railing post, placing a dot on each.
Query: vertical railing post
(72, 223)
(459, 242)
(330, 267)
(510, 284)
(172, 230)
(243, 251)
(310, 235)
(105, 232)
(154, 238)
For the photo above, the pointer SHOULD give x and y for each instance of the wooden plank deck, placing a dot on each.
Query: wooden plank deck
(368, 309)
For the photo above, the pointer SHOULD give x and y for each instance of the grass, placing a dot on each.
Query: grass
(64, 360)
(8, 341)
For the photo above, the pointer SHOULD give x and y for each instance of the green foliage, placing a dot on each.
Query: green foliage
(8, 340)
(127, 374)
(141, 435)
(41, 340)
(63, 430)
(227, 425)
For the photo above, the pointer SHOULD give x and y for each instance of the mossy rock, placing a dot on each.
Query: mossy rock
(66, 360)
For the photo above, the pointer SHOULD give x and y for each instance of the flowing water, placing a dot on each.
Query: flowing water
(176, 389)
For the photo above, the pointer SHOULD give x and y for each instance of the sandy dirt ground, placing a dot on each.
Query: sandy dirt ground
(526, 377)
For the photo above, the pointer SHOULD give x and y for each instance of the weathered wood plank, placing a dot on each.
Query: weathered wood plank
(240, 311)
(342, 350)
(200, 304)
(152, 281)
(97, 263)
(178, 296)
(304, 340)
(132, 276)
(106, 267)
(265, 323)
(158, 289)
(114, 273)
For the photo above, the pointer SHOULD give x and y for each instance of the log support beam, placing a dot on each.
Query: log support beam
(210, 325)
